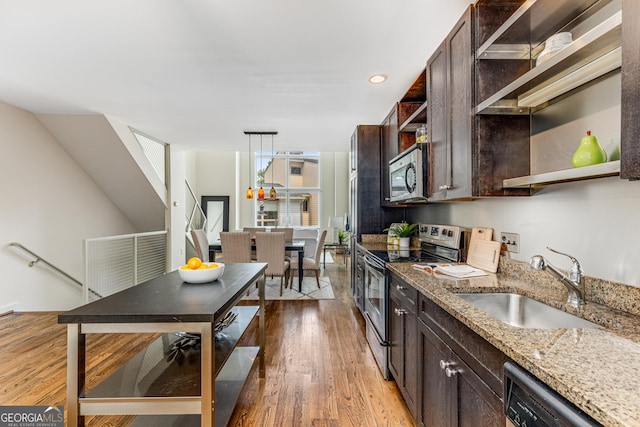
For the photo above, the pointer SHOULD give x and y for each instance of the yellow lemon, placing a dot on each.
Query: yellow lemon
(194, 263)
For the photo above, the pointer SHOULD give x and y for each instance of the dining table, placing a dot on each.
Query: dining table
(290, 246)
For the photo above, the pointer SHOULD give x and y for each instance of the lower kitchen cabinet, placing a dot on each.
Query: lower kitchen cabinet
(452, 393)
(403, 323)
(460, 373)
(357, 276)
(447, 374)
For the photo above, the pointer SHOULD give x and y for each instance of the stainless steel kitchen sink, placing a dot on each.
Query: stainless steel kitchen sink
(523, 312)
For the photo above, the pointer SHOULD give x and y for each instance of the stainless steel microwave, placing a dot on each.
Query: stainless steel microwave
(406, 175)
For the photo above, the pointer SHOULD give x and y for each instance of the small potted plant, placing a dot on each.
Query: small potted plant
(342, 236)
(403, 231)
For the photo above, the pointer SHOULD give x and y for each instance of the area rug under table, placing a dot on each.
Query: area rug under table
(310, 289)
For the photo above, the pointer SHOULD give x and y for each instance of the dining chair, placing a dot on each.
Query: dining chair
(270, 249)
(288, 237)
(236, 247)
(201, 244)
(252, 231)
(309, 263)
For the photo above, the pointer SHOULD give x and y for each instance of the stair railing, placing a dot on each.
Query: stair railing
(115, 263)
(38, 259)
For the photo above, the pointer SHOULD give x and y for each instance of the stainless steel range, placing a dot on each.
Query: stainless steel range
(439, 243)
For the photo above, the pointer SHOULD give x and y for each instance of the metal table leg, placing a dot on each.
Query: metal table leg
(300, 270)
(76, 370)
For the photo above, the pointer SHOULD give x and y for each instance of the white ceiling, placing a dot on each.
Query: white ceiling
(197, 73)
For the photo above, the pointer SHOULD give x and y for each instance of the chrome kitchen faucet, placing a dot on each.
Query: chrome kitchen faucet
(573, 280)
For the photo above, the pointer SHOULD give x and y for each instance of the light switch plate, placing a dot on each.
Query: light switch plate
(510, 241)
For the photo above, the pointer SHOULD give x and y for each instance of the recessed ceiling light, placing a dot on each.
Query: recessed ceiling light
(377, 79)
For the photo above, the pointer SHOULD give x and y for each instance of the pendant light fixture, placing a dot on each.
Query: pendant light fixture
(261, 190)
(272, 192)
(260, 195)
(249, 193)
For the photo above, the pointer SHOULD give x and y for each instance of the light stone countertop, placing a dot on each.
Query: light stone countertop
(596, 369)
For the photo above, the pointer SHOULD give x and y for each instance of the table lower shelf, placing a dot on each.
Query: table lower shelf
(165, 378)
(229, 384)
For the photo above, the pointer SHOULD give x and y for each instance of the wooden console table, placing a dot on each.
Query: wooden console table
(161, 389)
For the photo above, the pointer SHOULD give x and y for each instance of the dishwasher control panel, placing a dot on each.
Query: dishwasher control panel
(528, 402)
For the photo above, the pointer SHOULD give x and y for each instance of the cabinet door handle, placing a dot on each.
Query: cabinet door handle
(451, 372)
(399, 311)
(445, 365)
(445, 187)
(400, 287)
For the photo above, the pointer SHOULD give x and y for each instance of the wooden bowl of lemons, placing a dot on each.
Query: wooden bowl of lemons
(196, 271)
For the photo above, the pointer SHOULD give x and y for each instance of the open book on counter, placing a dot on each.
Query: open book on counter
(458, 271)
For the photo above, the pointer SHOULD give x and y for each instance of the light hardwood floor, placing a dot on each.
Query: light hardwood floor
(320, 371)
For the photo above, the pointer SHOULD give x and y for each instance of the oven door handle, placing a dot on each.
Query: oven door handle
(373, 328)
(373, 264)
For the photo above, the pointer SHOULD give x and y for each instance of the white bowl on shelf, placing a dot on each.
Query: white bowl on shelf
(554, 44)
(202, 275)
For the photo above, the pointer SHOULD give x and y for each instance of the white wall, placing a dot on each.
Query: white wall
(596, 221)
(49, 204)
(338, 198)
(216, 176)
(176, 213)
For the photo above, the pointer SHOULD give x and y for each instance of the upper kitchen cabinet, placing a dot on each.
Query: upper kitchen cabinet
(399, 129)
(630, 140)
(534, 106)
(412, 112)
(368, 216)
(449, 77)
(389, 149)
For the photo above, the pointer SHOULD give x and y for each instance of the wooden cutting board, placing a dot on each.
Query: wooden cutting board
(484, 254)
(481, 233)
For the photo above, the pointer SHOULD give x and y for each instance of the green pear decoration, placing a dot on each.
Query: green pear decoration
(589, 152)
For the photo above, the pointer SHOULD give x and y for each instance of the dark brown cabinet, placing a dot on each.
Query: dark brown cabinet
(630, 141)
(390, 149)
(447, 374)
(357, 282)
(367, 214)
(403, 323)
(516, 93)
(460, 373)
(449, 77)
(452, 393)
(398, 129)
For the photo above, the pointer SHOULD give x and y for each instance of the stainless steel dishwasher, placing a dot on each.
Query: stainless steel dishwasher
(528, 402)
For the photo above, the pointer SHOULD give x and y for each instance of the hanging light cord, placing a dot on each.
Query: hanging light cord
(272, 192)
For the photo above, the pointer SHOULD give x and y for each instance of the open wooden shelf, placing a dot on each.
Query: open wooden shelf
(577, 174)
(603, 39)
(529, 26)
